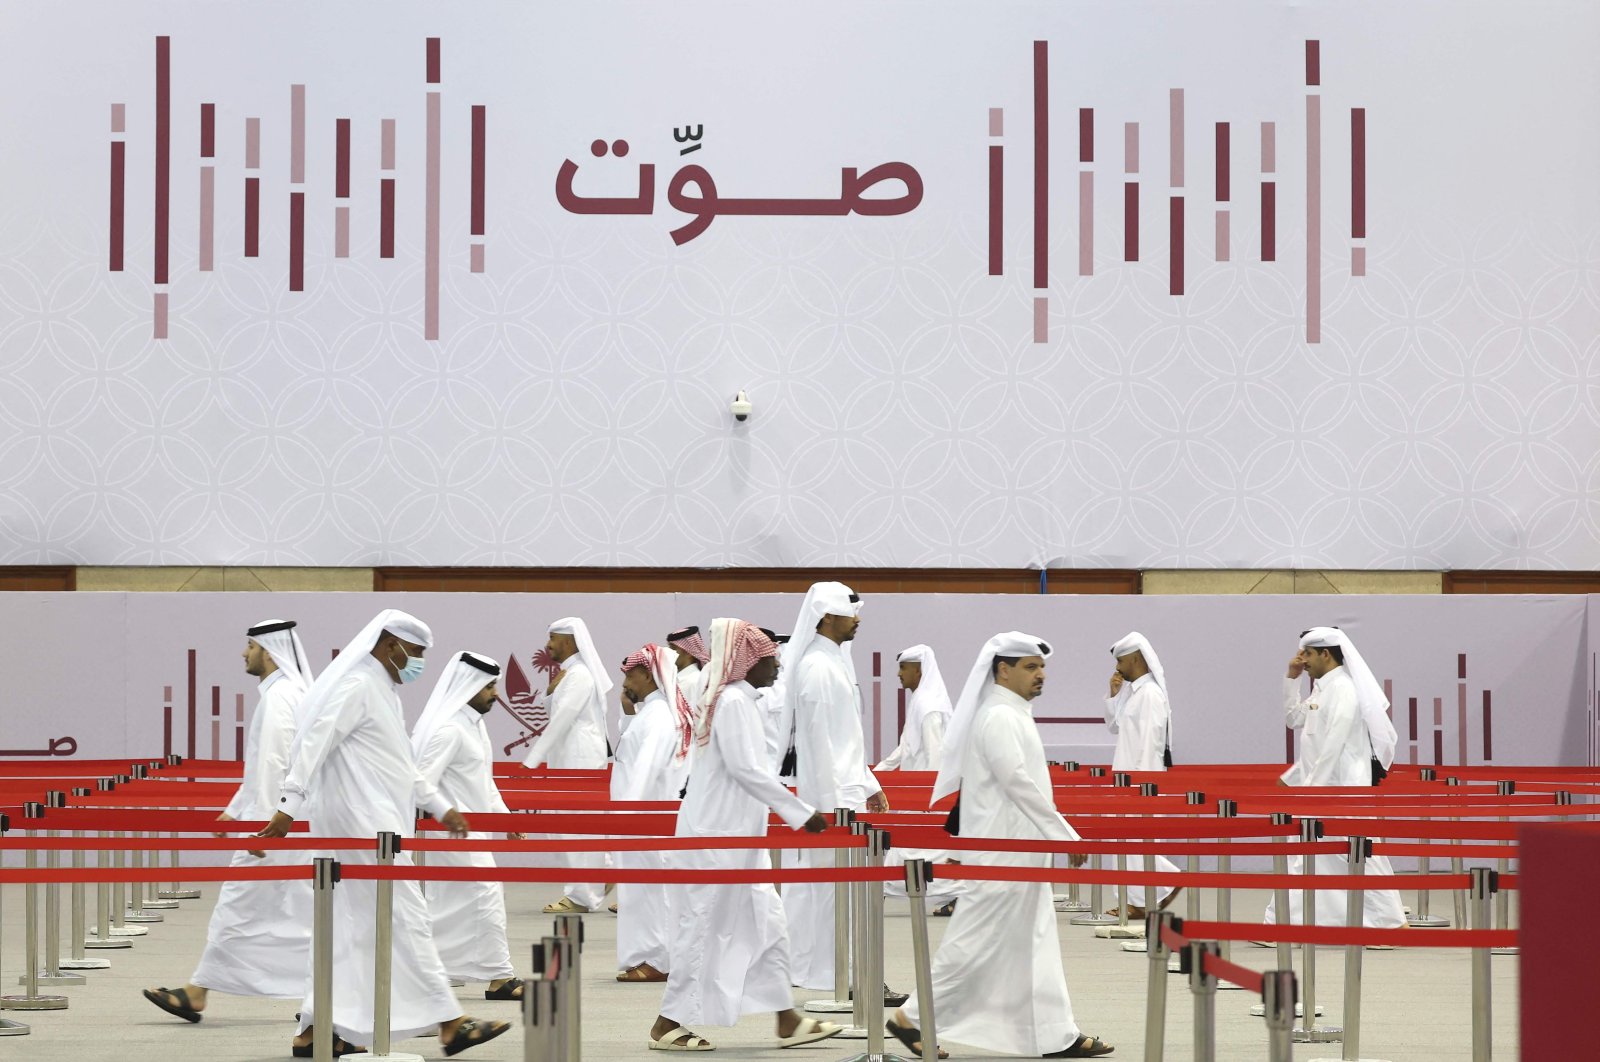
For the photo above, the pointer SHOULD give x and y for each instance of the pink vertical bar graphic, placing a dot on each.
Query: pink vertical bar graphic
(159, 324)
(480, 124)
(216, 722)
(1224, 169)
(1314, 193)
(1130, 192)
(430, 312)
(1175, 177)
(117, 220)
(1041, 319)
(163, 150)
(238, 726)
(252, 188)
(297, 195)
(386, 192)
(997, 173)
(208, 185)
(1358, 190)
(341, 188)
(1041, 164)
(1461, 720)
(1269, 192)
(877, 707)
(1086, 192)
(1224, 236)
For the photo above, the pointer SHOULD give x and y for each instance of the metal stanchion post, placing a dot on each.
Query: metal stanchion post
(1193, 798)
(7, 1026)
(31, 999)
(79, 925)
(1458, 895)
(383, 959)
(1226, 809)
(569, 928)
(871, 954)
(840, 1003)
(857, 893)
(1485, 883)
(552, 968)
(1072, 902)
(105, 935)
(324, 876)
(1360, 852)
(1278, 1000)
(918, 872)
(538, 1012)
(1122, 930)
(1280, 895)
(136, 908)
(1502, 900)
(1309, 1032)
(1203, 987)
(1155, 993)
(50, 963)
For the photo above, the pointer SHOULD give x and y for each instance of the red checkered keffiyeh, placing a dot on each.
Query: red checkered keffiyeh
(691, 643)
(736, 647)
(663, 668)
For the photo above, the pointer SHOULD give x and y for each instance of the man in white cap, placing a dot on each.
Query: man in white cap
(574, 738)
(921, 748)
(353, 751)
(651, 764)
(1137, 712)
(1344, 730)
(830, 760)
(997, 977)
(455, 755)
(258, 940)
(730, 950)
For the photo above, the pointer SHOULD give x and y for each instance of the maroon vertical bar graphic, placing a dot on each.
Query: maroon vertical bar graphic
(479, 148)
(1461, 720)
(118, 162)
(431, 238)
(191, 705)
(900, 711)
(1358, 172)
(1041, 164)
(1085, 191)
(1412, 705)
(1288, 745)
(1085, 134)
(1488, 729)
(433, 60)
(1438, 747)
(1130, 192)
(1461, 665)
(252, 188)
(877, 707)
(1314, 193)
(297, 241)
(238, 726)
(1269, 192)
(1175, 240)
(208, 130)
(386, 191)
(1224, 163)
(996, 210)
(216, 721)
(341, 158)
(166, 721)
(163, 186)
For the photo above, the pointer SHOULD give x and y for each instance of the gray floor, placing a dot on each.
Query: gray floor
(1416, 1002)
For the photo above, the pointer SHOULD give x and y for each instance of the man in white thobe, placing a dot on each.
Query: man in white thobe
(777, 714)
(259, 938)
(730, 947)
(1137, 712)
(651, 764)
(921, 748)
(354, 751)
(830, 761)
(997, 978)
(1344, 726)
(455, 755)
(574, 738)
(691, 658)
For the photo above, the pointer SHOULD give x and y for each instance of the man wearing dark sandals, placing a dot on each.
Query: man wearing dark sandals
(997, 977)
(354, 755)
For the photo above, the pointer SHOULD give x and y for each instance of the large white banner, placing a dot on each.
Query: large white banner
(1097, 283)
(1473, 680)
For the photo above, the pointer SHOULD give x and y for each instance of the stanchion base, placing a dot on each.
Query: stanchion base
(1229, 986)
(180, 894)
(1092, 920)
(33, 1002)
(829, 1006)
(13, 1028)
(1318, 1034)
(113, 942)
(1140, 946)
(1067, 905)
(85, 964)
(392, 1056)
(1431, 922)
(1343, 1060)
(852, 1032)
(1504, 951)
(1120, 932)
(141, 918)
(56, 980)
(1260, 1010)
(875, 1058)
(128, 931)
(161, 905)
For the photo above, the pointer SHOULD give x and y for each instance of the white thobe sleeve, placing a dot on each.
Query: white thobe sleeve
(1114, 709)
(274, 745)
(344, 712)
(1003, 747)
(441, 748)
(1145, 720)
(567, 703)
(933, 739)
(1294, 706)
(1341, 727)
(739, 737)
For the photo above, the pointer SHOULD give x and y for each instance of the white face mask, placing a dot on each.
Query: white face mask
(412, 669)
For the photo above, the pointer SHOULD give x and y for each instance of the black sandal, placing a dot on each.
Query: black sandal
(341, 1046)
(464, 1038)
(946, 911)
(511, 990)
(180, 1008)
(1083, 1047)
(911, 1038)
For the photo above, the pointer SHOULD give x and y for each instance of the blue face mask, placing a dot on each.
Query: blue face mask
(412, 669)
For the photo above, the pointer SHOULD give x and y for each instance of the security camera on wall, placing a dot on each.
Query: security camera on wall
(740, 407)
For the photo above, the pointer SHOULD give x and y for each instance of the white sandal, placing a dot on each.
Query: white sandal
(666, 1041)
(809, 1031)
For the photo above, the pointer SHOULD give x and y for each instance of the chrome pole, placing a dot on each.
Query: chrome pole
(841, 1002)
(569, 928)
(325, 875)
(917, 873)
(1155, 995)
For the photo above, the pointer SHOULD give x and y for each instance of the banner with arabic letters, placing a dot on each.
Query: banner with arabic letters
(1126, 283)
